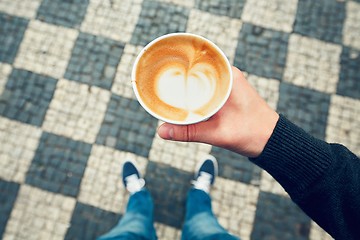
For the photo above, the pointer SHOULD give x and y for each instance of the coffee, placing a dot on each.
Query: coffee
(182, 78)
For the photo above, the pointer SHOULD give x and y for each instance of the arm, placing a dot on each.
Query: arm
(323, 179)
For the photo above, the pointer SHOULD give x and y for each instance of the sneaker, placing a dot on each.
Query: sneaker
(205, 174)
(131, 177)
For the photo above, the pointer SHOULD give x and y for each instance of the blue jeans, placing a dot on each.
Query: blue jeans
(137, 222)
(200, 222)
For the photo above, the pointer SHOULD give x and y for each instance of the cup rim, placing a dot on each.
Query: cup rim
(142, 103)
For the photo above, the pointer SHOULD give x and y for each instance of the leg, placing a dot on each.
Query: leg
(200, 222)
(137, 222)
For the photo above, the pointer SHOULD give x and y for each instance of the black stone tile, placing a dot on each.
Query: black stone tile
(157, 19)
(88, 222)
(236, 167)
(69, 13)
(168, 187)
(306, 108)
(94, 60)
(27, 96)
(322, 19)
(277, 217)
(9, 191)
(127, 127)
(11, 34)
(229, 8)
(58, 165)
(261, 51)
(349, 79)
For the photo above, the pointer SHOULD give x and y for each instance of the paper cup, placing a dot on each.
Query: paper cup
(147, 102)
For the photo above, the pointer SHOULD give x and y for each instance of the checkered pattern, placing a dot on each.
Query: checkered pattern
(69, 117)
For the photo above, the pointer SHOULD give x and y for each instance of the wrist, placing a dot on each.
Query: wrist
(263, 128)
(265, 132)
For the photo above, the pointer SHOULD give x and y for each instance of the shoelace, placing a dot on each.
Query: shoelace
(134, 183)
(203, 182)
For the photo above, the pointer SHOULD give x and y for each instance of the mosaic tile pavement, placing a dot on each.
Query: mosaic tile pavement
(69, 118)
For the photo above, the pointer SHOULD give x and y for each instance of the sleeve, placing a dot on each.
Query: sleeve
(322, 179)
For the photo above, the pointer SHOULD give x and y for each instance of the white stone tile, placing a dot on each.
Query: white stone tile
(102, 185)
(312, 63)
(5, 70)
(269, 184)
(234, 204)
(276, 14)
(317, 233)
(267, 88)
(18, 145)
(351, 30)
(20, 8)
(122, 82)
(114, 19)
(76, 110)
(179, 155)
(46, 49)
(343, 125)
(165, 232)
(38, 214)
(221, 30)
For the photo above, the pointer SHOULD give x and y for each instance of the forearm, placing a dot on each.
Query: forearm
(313, 173)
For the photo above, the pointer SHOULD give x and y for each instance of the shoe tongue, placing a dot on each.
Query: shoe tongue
(203, 182)
(204, 176)
(134, 183)
(132, 177)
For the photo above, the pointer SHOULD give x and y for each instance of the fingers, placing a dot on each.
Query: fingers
(236, 72)
(200, 132)
(184, 133)
(166, 131)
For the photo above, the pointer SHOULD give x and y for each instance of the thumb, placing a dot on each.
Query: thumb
(184, 133)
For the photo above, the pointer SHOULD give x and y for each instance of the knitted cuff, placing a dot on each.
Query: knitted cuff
(293, 157)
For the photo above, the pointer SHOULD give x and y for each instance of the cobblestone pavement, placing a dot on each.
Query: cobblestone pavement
(69, 118)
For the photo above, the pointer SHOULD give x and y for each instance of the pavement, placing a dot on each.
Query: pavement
(69, 117)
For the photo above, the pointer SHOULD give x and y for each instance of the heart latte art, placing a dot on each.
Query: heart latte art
(182, 78)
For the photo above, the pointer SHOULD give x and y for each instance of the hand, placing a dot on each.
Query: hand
(244, 124)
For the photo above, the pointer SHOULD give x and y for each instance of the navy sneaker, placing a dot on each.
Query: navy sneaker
(205, 173)
(131, 177)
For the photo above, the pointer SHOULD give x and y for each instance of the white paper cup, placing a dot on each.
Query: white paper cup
(196, 119)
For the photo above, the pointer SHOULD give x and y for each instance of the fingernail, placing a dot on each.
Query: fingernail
(171, 133)
(166, 132)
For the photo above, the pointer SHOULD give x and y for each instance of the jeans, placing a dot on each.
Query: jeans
(137, 222)
(200, 222)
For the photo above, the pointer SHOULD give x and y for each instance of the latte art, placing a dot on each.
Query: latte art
(182, 78)
(189, 89)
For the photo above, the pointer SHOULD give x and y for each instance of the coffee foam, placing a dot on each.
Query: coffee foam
(182, 78)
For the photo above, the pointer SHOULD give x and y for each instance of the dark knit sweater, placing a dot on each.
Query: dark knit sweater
(322, 179)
